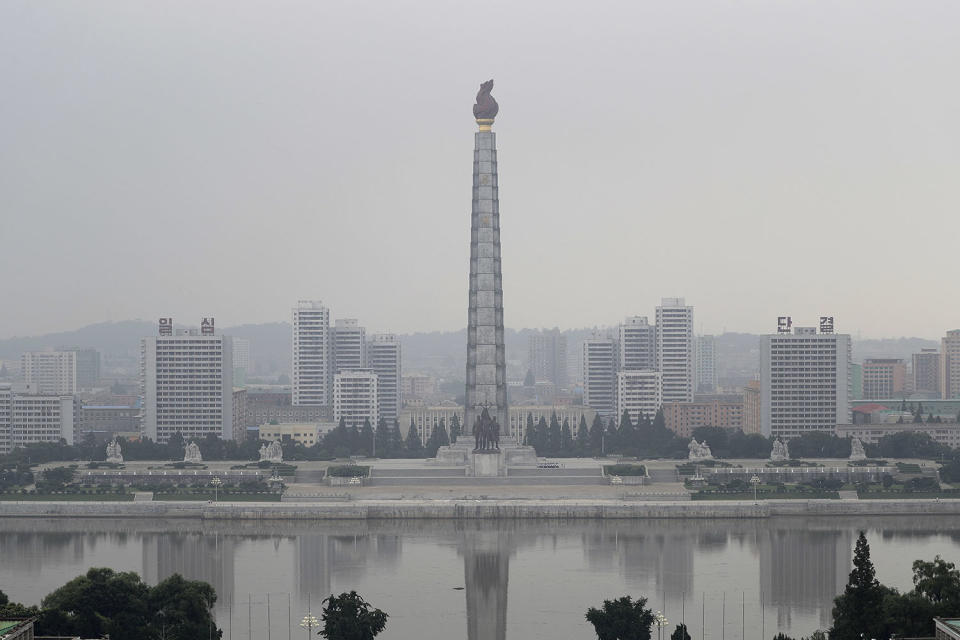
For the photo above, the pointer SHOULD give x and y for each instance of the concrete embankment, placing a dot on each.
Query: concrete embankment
(476, 509)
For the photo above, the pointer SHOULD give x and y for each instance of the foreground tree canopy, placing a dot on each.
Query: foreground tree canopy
(105, 602)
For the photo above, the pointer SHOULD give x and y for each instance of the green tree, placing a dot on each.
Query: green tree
(175, 447)
(365, 437)
(566, 438)
(680, 633)
(412, 445)
(100, 602)
(553, 434)
(857, 611)
(596, 435)
(350, 617)
(937, 581)
(528, 432)
(621, 619)
(184, 609)
(583, 438)
(55, 479)
(626, 434)
(454, 428)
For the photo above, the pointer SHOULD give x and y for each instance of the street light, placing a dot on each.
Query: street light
(661, 621)
(217, 483)
(309, 622)
(755, 480)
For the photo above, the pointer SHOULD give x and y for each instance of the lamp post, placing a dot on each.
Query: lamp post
(309, 622)
(217, 483)
(755, 480)
(661, 621)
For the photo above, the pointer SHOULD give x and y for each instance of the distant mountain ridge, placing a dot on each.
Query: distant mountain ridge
(439, 352)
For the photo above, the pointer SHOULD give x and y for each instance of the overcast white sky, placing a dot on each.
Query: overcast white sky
(227, 158)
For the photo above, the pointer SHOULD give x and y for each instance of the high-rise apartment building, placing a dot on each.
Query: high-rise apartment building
(752, 421)
(926, 371)
(638, 393)
(241, 361)
(88, 366)
(547, 357)
(349, 345)
(600, 375)
(356, 397)
(187, 384)
(706, 370)
(884, 378)
(312, 355)
(53, 373)
(706, 410)
(638, 345)
(950, 365)
(26, 418)
(384, 358)
(804, 380)
(675, 349)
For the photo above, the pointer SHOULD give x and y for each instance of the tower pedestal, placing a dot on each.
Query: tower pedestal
(482, 463)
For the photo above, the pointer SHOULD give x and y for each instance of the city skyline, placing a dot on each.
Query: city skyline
(756, 154)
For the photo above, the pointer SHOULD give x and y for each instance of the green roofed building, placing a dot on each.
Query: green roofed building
(17, 629)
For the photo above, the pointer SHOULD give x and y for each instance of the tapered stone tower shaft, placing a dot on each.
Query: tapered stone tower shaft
(486, 359)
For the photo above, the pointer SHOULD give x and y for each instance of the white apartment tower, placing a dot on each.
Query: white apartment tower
(46, 418)
(312, 355)
(804, 380)
(638, 345)
(547, 357)
(6, 394)
(383, 358)
(600, 375)
(638, 393)
(349, 345)
(355, 397)
(187, 384)
(675, 349)
(52, 372)
(706, 379)
(950, 365)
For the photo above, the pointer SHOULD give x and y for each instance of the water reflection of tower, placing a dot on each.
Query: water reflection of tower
(194, 556)
(803, 570)
(321, 556)
(486, 564)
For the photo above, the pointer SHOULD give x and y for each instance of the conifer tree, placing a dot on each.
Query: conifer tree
(596, 435)
(412, 445)
(857, 612)
(566, 438)
(583, 438)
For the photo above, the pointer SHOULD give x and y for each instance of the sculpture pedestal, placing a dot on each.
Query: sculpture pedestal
(487, 464)
(511, 454)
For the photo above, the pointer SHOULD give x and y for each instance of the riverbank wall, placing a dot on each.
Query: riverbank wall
(476, 509)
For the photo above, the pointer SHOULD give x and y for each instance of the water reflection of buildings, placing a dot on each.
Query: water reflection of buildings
(665, 557)
(347, 557)
(803, 569)
(195, 556)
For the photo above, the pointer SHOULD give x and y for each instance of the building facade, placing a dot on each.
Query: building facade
(426, 419)
(52, 372)
(547, 356)
(706, 369)
(675, 349)
(349, 345)
(945, 433)
(600, 375)
(356, 397)
(312, 355)
(384, 358)
(106, 420)
(46, 418)
(804, 380)
(187, 385)
(752, 422)
(638, 345)
(950, 365)
(926, 371)
(884, 378)
(638, 393)
(724, 411)
(241, 361)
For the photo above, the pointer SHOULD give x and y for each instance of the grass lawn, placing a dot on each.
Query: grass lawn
(233, 497)
(68, 497)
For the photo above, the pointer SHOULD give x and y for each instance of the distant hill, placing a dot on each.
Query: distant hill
(440, 353)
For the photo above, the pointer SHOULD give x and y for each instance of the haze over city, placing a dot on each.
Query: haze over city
(228, 158)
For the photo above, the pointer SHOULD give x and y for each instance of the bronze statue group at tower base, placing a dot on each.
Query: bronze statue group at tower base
(486, 433)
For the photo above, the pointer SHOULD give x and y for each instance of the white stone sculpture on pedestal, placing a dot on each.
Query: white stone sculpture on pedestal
(114, 453)
(781, 451)
(191, 453)
(699, 450)
(272, 452)
(856, 450)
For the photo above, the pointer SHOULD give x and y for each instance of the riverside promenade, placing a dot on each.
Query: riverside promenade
(491, 509)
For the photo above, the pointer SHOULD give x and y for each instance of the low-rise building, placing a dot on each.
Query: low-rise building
(724, 411)
(16, 628)
(306, 433)
(107, 420)
(946, 433)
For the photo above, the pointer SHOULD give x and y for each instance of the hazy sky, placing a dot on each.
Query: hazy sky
(228, 158)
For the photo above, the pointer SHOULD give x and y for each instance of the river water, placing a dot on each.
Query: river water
(488, 580)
